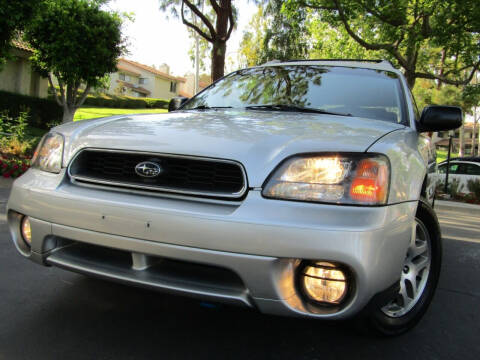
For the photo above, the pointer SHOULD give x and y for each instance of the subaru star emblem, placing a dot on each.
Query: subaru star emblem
(148, 169)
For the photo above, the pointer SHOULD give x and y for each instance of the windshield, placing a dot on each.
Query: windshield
(367, 93)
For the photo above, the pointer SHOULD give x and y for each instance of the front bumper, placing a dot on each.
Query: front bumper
(243, 253)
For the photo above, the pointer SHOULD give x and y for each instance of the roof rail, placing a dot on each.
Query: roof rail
(378, 61)
(274, 61)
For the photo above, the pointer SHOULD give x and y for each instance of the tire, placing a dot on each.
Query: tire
(400, 315)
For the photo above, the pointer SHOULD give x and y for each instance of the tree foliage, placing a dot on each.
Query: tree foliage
(77, 42)
(403, 29)
(275, 34)
(216, 21)
(14, 15)
(287, 34)
(335, 43)
(251, 45)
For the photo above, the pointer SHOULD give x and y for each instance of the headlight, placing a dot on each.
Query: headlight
(49, 154)
(342, 179)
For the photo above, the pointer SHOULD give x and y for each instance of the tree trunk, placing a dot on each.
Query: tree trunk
(461, 142)
(474, 138)
(218, 59)
(478, 143)
(68, 114)
(410, 76)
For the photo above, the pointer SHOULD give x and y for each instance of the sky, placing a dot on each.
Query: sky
(154, 39)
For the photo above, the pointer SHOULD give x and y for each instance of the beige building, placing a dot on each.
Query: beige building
(187, 88)
(139, 80)
(442, 139)
(17, 75)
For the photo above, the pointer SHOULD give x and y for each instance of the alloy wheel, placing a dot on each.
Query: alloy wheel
(416, 269)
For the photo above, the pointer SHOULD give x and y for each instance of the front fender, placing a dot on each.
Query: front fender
(406, 152)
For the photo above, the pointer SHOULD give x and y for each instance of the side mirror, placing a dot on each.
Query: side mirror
(439, 118)
(176, 103)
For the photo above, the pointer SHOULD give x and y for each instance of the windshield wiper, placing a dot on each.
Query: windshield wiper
(205, 107)
(294, 108)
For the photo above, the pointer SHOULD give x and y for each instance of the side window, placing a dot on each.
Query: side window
(462, 169)
(454, 169)
(442, 169)
(471, 169)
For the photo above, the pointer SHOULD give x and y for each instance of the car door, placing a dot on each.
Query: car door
(453, 174)
(472, 173)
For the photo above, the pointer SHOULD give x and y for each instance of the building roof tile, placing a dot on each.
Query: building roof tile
(152, 70)
(123, 68)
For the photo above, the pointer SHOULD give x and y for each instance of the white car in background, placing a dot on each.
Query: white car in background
(462, 170)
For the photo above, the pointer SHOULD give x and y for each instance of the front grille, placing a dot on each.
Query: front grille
(179, 174)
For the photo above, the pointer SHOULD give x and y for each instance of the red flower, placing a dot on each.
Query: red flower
(6, 175)
(15, 167)
(4, 166)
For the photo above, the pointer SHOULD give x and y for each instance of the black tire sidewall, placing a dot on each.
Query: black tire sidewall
(386, 325)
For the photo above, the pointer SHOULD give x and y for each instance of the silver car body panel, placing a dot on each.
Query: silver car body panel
(260, 240)
(257, 139)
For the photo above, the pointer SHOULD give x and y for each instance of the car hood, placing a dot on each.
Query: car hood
(257, 139)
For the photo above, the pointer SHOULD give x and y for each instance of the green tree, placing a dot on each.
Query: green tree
(14, 15)
(287, 35)
(250, 51)
(78, 43)
(275, 35)
(405, 29)
(467, 97)
(216, 21)
(205, 48)
(334, 43)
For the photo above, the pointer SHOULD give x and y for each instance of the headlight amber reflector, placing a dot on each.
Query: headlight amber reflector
(324, 283)
(343, 179)
(49, 154)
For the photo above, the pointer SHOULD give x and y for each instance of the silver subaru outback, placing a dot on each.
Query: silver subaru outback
(298, 188)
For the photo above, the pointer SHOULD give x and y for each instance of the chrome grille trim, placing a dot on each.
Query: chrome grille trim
(171, 190)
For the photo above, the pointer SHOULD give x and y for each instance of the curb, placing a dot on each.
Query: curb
(5, 183)
(455, 204)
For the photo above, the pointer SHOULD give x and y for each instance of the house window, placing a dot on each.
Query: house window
(173, 87)
(142, 81)
(121, 76)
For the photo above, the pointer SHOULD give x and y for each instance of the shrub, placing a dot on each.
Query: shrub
(455, 189)
(125, 102)
(119, 102)
(14, 126)
(12, 168)
(43, 113)
(14, 140)
(474, 188)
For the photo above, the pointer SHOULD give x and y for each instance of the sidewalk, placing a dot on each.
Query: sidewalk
(457, 205)
(5, 185)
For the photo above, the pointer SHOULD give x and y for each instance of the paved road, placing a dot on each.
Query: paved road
(48, 313)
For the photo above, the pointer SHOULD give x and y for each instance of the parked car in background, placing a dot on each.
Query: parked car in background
(462, 172)
(461, 166)
(298, 188)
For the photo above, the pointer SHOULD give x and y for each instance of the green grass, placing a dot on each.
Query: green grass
(442, 155)
(85, 113)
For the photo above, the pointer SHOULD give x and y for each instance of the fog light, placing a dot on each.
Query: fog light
(324, 282)
(26, 230)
